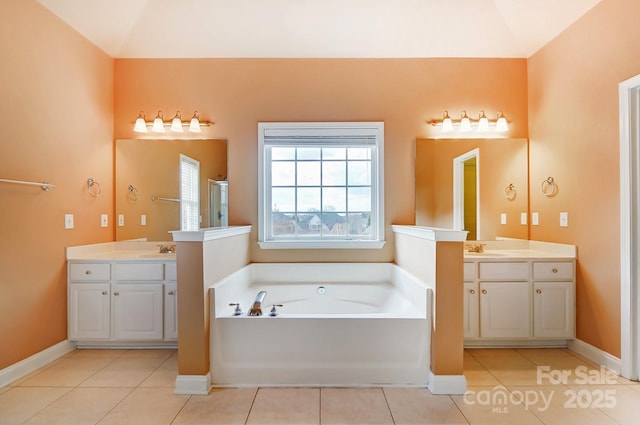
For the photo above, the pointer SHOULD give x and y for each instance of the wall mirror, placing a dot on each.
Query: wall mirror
(147, 186)
(473, 185)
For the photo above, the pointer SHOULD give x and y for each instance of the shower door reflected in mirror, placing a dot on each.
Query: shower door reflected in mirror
(501, 163)
(218, 203)
(152, 168)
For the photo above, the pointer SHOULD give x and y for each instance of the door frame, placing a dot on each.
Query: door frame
(629, 97)
(458, 190)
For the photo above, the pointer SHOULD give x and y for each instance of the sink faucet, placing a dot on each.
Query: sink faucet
(475, 247)
(256, 308)
(167, 249)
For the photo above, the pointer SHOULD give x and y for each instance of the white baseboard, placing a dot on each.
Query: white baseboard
(447, 384)
(38, 360)
(193, 384)
(596, 355)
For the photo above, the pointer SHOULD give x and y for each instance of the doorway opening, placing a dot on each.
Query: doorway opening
(466, 193)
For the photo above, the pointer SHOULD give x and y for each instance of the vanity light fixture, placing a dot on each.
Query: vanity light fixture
(447, 123)
(466, 124)
(158, 123)
(194, 124)
(176, 125)
(140, 125)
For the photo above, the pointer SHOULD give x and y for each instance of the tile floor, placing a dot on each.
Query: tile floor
(506, 386)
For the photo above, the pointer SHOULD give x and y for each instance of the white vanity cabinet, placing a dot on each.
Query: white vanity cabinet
(553, 300)
(122, 302)
(518, 301)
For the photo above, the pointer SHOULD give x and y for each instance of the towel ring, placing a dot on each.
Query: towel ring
(134, 194)
(510, 192)
(93, 188)
(549, 187)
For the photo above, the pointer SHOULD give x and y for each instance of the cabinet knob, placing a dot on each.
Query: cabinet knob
(104, 292)
(87, 272)
(472, 291)
(116, 293)
(554, 270)
(171, 293)
(538, 291)
(484, 291)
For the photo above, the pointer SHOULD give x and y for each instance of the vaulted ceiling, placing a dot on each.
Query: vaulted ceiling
(319, 28)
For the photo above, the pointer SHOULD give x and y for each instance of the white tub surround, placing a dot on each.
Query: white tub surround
(337, 324)
(122, 294)
(519, 293)
(434, 256)
(204, 257)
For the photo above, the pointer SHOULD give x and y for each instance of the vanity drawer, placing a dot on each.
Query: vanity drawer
(89, 272)
(504, 271)
(469, 272)
(139, 271)
(553, 270)
(170, 271)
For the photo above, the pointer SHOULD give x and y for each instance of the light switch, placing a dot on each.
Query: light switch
(503, 218)
(68, 221)
(104, 220)
(523, 218)
(564, 219)
(143, 219)
(535, 218)
(120, 220)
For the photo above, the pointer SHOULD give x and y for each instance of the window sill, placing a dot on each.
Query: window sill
(321, 244)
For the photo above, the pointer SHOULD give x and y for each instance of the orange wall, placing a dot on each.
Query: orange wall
(238, 93)
(56, 115)
(574, 137)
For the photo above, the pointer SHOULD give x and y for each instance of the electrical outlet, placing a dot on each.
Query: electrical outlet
(503, 218)
(104, 220)
(523, 218)
(564, 219)
(120, 220)
(535, 218)
(68, 221)
(143, 219)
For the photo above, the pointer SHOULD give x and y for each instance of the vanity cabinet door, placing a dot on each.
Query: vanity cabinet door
(89, 311)
(138, 311)
(471, 310)
(553, 310)
(170, 311)
(505, 310)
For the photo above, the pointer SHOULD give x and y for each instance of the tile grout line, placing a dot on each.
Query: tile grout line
(255, 396)
(384, 394)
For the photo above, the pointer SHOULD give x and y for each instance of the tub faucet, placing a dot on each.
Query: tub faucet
(256, 308)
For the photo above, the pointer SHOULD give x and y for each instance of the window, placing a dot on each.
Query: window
(321, 185)
(189, 193)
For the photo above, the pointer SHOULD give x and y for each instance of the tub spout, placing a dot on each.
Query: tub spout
(256, 308)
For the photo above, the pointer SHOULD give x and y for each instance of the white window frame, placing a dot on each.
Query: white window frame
(189, 193)
(310, 130)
